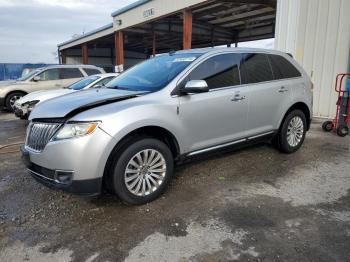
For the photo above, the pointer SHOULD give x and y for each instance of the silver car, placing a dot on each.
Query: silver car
(50, 77)
(126, 138)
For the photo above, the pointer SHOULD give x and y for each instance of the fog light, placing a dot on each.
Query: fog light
(63, 177)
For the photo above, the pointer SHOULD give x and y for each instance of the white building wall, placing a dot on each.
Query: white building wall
(317, 33)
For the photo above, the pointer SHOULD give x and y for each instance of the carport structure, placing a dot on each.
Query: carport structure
(149, 27)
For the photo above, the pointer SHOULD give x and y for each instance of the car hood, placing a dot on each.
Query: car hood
(68, 105)
(7, 82)
(44, 95)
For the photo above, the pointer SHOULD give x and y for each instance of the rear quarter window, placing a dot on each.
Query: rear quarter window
(282, 68)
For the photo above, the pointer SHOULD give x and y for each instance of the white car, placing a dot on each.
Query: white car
(25, 105)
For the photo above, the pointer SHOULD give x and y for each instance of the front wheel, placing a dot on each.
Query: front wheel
(292, 132)
(11, 100)
(142, 170)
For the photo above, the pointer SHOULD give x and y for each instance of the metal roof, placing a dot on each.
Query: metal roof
(129, 7)
(235, 49)
(100, 29)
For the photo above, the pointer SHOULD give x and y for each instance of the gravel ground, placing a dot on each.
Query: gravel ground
(254, 204)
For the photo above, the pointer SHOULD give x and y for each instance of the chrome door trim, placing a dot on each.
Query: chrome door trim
(215, 147)
(260, 135)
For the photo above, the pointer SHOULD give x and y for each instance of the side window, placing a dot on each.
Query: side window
(50, 74)
(255, 68)
(104, 81)
(282, 68)
(218, 71)
(91, 71)
(66, 73)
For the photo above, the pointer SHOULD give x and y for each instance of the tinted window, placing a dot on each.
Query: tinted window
(66, 73)
(50, 74)
(153, 74)
(218, 71)
(255, 68)
(282, 68)
(90, 71)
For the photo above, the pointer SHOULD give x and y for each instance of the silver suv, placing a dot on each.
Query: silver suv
(127, 137)
(50, 77)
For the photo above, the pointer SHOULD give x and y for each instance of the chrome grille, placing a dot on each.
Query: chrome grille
(39, 134)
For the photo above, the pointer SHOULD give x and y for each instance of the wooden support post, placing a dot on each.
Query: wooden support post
(85, 54)
(153, 41)
(187, 29)
(119, 51)
(63, 57)
(212, 36)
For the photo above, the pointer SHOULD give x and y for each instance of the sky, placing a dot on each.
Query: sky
(31, 29)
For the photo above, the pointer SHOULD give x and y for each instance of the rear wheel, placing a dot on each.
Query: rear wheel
(342, 130)
(142, 170)
(292, 132)
(11, 100)
(327, 126)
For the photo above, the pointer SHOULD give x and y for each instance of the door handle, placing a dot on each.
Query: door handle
(237, 98)
(282, 89)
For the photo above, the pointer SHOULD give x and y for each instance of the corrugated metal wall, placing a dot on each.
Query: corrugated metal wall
(317, 33)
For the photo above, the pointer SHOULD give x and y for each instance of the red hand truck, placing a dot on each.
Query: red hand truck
(340, 124)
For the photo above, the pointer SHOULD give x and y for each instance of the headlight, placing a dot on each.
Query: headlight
(30, 104)
(76, 129)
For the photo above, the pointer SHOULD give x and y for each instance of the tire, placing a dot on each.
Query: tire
(327, 126)
(286, 143)
(11, 99)
(342, 130)
(149, 185)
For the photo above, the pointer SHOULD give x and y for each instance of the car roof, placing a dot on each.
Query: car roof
(209, 50)
(106, 74)
(70, 66)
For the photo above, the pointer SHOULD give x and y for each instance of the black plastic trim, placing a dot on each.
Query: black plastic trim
(2, 102)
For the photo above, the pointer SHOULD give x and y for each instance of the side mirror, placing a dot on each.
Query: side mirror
(36, 78)
(195, 86)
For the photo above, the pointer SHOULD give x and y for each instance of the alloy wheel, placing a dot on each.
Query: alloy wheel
(295, 131)
(13, 100)
(145, 172)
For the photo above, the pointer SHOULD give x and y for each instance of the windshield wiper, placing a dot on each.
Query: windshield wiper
(119, 87)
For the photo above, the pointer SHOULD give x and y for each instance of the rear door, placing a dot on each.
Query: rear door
(267, 95)
(220, 115)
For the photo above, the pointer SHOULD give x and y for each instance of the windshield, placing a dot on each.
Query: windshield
(153, 74)
(84, 82)
(29, 75)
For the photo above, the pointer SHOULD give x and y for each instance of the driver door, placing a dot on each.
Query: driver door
(49, 79)
(220, 115)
